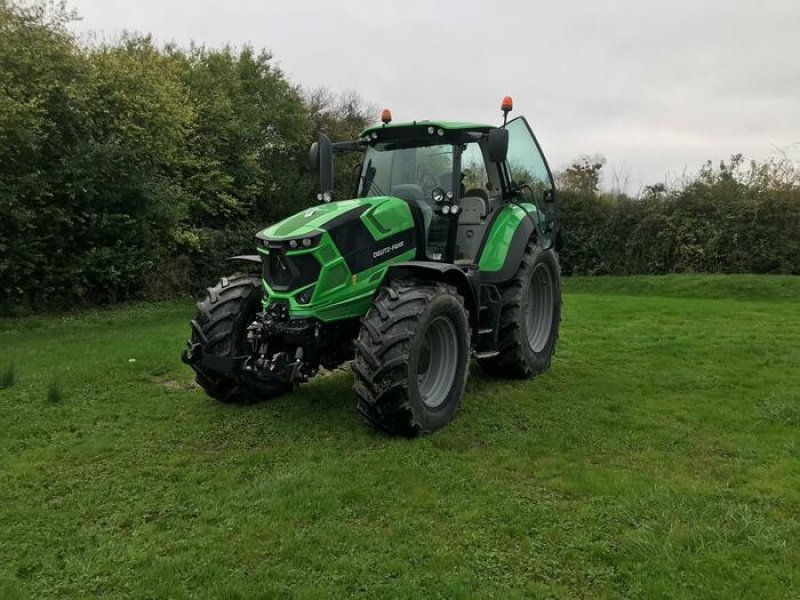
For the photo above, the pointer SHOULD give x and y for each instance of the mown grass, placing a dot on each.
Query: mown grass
(660, 457)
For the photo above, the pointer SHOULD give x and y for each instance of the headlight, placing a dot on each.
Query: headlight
(305, 242)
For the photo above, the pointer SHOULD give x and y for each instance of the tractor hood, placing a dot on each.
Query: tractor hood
(310, 220)
(381, 216)
(326, 261)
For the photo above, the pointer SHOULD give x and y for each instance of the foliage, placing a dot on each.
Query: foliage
(245, 153)
(658, 458)
(127, 169)
(93, 142)
(734, 218)
(582, 176)
(340, 117)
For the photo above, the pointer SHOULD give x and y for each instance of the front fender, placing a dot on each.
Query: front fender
(249, 262)
(436, 271)
(250, 258)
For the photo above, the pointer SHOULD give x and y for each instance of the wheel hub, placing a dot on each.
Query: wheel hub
(437, 361)
(539, 312)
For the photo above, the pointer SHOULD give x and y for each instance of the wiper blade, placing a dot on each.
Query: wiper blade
(369, 179)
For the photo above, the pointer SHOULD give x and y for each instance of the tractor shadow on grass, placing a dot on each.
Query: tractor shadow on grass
(327, 405)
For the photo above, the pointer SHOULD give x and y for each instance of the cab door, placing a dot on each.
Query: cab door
(531, 175)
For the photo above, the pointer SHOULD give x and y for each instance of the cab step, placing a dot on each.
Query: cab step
(487, 354)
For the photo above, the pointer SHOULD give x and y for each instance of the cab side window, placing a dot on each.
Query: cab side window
(473, 170)
(525, 160)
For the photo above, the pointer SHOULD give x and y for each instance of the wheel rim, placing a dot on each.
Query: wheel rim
(539, 312)
(437, 361)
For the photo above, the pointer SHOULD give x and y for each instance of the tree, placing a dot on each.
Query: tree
(583, 175)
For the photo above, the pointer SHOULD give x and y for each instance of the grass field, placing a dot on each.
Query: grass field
(660, 457)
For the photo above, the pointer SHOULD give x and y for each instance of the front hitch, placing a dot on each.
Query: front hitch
(278, 368)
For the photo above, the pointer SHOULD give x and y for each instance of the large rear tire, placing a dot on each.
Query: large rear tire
(530, 317)
(412, 357)
(222, 319)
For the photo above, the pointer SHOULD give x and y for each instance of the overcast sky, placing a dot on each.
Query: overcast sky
(656, 87)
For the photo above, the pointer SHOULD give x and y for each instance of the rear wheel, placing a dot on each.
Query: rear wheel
(221, 325)
(412, 355)
(530, 316)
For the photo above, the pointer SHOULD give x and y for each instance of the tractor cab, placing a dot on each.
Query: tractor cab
(455, 176)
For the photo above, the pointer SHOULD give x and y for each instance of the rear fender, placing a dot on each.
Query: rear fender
(506, 238)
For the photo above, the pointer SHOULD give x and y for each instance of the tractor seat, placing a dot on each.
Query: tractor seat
(480, 193)
(471, 225)
(473, 210)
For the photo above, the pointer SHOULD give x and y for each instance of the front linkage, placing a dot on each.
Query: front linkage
(278, 349)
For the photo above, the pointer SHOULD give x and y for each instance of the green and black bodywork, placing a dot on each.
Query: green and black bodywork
(443, 252)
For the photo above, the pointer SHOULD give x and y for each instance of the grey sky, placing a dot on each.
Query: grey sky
(656, 87)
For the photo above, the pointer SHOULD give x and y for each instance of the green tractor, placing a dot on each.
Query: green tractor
(446, 251)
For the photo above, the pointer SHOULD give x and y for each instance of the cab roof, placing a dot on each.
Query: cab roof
(450, 126)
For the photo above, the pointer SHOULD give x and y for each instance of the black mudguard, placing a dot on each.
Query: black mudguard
(446, 273)
(249, 258)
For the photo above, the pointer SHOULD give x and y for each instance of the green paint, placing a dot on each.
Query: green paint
(387, 217)
(309, 221)
(339, 293)
(499, 240)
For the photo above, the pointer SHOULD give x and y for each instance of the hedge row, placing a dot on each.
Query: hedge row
(735, 218)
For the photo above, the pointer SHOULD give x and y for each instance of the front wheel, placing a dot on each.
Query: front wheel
(221, 324)
(412, 356)
(530, 316)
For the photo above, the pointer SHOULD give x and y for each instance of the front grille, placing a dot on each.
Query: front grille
(284, 273)
(278, 273)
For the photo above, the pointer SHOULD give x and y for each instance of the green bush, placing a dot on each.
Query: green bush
(735, 218)
(90, 167)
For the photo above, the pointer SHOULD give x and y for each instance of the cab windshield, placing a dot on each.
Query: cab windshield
(411, 174)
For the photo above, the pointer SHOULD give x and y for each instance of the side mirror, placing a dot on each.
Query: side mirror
(320, 158)
(498, 145)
